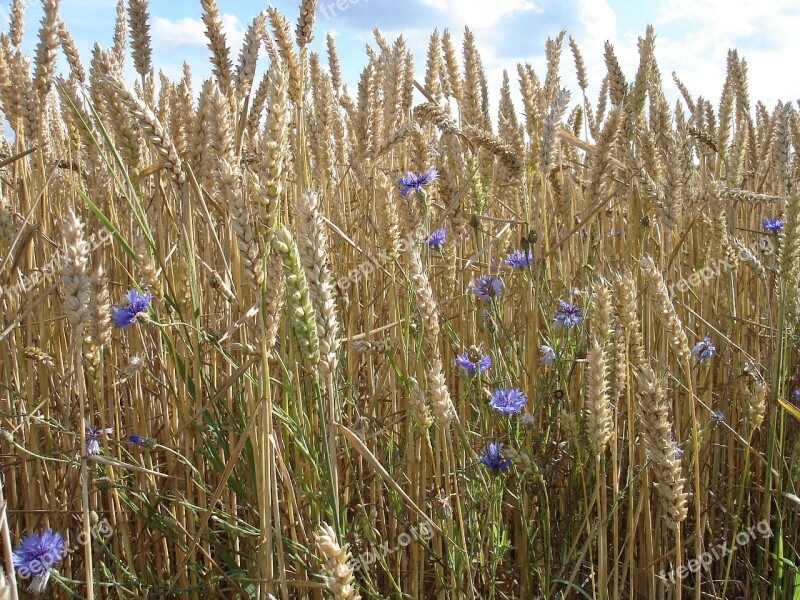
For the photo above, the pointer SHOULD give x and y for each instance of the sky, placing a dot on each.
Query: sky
(692, 36)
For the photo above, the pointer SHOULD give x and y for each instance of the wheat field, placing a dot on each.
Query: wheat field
(265, 336)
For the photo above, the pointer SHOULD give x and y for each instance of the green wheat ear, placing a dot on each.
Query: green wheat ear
(301, 311)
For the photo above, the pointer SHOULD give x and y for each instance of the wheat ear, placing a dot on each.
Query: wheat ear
(339, 578)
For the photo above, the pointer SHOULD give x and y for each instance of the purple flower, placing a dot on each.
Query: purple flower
(413, 182)
(519, 259)
(92, 436)
(568, 315)
(492, 457)
(547, 356)
(36, 555)
(676, 448)
(772, 225)
(508, 401)
(487, 287)
(141, 441)
(473, 361)
(136, 304)
(717, 416)
(437, 238)
(796, 396)
(704, 349)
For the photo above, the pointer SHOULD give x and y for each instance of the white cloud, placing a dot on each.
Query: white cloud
(598, 19)
(173, 34)
(726, 16)
(597, 23)
(478, 14)
(692, 38)
(187, 31)
(184, 39)
(764, 32)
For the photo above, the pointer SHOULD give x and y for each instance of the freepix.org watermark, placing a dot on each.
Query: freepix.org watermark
(51, 269)
(330, 9)
(710, 271)
(46, 561)
(373, 263)
(718, 552)
(375, 553)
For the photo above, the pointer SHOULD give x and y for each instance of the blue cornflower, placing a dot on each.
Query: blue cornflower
(796, 396)
(92, 436)
(487, 287)
(568, 315)
(547, 356)
(127, 314)
(36, 555)
(717, 416)
(492, 457)
(508, 400)
(413, 182)
(675, 447)
(772, 225)
(437, 238)
(140, 440)
(473, 361)
(704, 349)
(519, 259)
